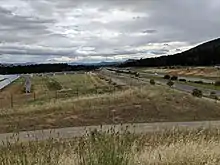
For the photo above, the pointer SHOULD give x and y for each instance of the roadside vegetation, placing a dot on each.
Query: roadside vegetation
(201, 84)
(152, 82)
(197, 93)
(170, 83)
(111, 147)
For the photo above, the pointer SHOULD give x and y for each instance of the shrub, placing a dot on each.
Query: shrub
(152, 82)
(199, 82)
(183, 80)
(170, 83)
(174, 78)
(114, 83)
(167, 77)
(197, 93)
(107, 148)
(53, 85)
(213, 95)
(137, 74)
(217, 83)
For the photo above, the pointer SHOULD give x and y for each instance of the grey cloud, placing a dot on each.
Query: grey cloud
(19, 28)
(42, 51)
(150, 31)
(190, 22)
(158, 52)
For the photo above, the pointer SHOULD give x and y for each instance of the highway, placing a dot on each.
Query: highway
(182, 77)
(185, 87)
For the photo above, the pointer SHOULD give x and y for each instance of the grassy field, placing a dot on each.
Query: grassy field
(96, 99)
(45, 88)
(170, 147)
(137, 104)
(14, 89)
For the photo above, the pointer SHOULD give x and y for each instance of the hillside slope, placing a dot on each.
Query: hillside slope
(205, 54)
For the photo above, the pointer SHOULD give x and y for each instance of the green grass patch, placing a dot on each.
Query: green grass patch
(205, 85)
(53, 85)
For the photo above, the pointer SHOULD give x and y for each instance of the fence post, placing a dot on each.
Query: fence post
(56, 95)
(34, 96)
(12, 101)
(77, 92)
(1, 103)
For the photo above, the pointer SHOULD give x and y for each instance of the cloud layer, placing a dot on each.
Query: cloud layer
(92, 31)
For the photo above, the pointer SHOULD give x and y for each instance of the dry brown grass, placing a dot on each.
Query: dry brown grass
(169, 147)
(191, 152)
(144, 104)
(195, 147)
(52, 87)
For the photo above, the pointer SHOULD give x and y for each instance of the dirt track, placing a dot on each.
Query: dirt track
(72, 132)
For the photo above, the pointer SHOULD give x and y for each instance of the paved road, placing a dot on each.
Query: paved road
(71, 132)
(121, 78)
(143, 80)
(111, 75)
(186, 87)
(183, 77)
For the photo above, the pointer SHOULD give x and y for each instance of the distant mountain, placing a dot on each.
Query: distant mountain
(18, 64)
(74, 63)
(104, 63)
(95, 64)
(130, 60)
(205, 54)
(107, 63)
(24, 64)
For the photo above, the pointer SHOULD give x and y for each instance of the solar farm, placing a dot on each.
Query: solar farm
(103, 96)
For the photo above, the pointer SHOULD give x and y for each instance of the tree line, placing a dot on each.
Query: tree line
(206, 54)
(43, 68)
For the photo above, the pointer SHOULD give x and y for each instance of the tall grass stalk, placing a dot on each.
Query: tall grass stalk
(119, 147)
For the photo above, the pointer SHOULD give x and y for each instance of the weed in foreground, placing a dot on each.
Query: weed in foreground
(109, 147)
(112, 147)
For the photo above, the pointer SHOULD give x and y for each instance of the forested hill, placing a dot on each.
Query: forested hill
(203, 55)
(43, 68)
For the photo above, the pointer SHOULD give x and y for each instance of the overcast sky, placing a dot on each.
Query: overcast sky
(100, 30)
